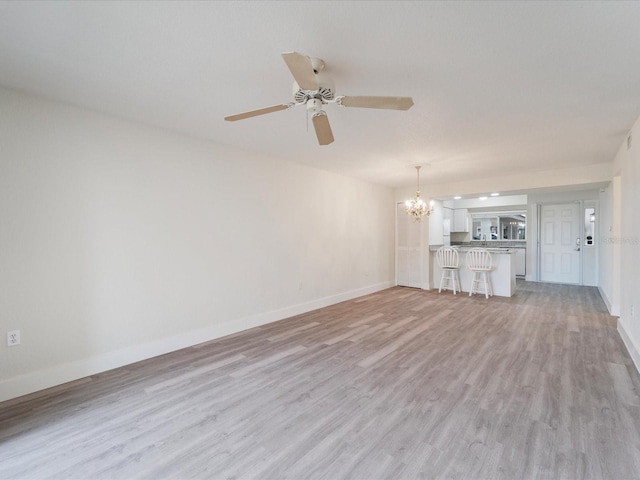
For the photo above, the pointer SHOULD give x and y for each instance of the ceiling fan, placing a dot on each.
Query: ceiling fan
(314, 89)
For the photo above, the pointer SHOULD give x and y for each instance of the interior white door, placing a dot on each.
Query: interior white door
(408, 248)
(560, 239)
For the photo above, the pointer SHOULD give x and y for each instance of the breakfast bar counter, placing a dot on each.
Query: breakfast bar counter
(503, 273)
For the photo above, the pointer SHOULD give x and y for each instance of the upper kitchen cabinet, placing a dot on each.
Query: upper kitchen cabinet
(460, 220)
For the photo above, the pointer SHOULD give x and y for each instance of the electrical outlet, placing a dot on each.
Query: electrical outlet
(13, 338)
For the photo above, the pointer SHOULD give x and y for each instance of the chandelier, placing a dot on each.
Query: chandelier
(416, 207)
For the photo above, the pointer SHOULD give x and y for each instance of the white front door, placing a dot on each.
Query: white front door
(560, 238)
(408, 248)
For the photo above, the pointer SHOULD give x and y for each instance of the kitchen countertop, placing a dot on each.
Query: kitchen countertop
(466, 248)
(497, 250)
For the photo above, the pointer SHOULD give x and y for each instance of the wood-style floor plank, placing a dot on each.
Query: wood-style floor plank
(400, 384)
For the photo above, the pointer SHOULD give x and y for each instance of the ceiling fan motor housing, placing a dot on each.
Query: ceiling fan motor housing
(325, 92)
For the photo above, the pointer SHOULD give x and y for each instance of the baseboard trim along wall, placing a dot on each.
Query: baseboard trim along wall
(60, 374)
(605, 299)
(633, 350)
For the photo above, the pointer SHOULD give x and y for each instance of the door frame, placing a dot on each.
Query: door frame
(595, 204)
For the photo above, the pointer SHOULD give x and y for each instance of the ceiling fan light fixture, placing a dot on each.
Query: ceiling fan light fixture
(417, 207)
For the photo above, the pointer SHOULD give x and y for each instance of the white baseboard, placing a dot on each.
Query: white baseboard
(632, 348)
(614, 310)
(68, 372)
(606, 301)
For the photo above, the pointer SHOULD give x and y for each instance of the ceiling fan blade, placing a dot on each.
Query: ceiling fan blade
(255, 113)
(391, 103)
(302, 70)
(323, 129)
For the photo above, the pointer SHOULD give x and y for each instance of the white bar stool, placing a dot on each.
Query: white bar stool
(479, 262)
(447, 258)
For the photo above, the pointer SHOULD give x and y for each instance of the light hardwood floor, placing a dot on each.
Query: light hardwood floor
(399, 384)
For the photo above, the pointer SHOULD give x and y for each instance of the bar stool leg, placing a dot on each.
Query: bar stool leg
(486, 286)
(444, 280)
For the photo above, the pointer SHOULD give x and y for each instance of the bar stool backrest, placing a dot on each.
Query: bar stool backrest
(479, 259)
(447, 257)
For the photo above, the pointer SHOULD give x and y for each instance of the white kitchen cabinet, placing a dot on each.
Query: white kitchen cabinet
(447, 213)
(521, 261)
(460, 220)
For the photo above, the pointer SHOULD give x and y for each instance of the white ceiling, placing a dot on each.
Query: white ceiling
(499, 88)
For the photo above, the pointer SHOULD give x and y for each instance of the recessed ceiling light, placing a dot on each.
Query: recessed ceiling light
(495, 194)
(482, 198)
(457, 197)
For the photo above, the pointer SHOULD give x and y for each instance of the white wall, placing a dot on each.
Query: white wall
(604, 244)
(628, 240)
(609, 247)
(436, 226)
(120, 241)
